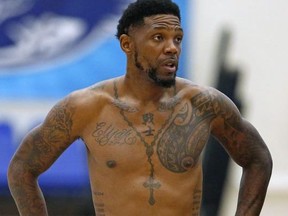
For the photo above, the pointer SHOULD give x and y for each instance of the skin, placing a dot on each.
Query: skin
(144, 141)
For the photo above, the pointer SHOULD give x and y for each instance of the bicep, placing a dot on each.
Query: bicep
(45, 143)
(243, 143)
(238, 136)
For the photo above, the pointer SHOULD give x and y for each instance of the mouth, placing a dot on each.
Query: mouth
(170, 65)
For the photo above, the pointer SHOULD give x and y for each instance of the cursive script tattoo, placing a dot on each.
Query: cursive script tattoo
(107, 134)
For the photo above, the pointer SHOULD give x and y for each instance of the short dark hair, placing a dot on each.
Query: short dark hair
(137, 11)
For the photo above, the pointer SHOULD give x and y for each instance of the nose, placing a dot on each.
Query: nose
(171, 48)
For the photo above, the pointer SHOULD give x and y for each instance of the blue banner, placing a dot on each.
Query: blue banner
(50, 48)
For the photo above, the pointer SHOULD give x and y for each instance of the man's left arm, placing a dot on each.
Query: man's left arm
(245, 145)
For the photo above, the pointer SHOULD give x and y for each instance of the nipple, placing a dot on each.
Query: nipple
(187, 162)
(111, 163)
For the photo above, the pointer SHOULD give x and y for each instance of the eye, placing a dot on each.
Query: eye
(179, 39)
(158, 37)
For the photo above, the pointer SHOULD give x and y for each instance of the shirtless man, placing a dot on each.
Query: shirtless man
(144, 131)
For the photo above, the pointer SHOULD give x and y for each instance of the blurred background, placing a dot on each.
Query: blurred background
(50, 48)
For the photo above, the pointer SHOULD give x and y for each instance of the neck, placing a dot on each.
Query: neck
(146, 90)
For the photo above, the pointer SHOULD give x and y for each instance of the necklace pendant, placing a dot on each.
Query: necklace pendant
(152, 184)
(152, 200)
(149, 151)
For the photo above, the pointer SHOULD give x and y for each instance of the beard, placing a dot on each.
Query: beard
(153, 75)
(166, 83)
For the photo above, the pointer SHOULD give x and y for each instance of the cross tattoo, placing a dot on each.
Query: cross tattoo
(151, 184)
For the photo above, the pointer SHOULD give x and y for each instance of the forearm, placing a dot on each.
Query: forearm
(253, 188)
(27, 195)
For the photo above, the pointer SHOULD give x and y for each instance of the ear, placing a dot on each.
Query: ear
(126, 43)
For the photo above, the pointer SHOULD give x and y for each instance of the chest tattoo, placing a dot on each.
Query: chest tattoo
(183, 140)
(106, 134)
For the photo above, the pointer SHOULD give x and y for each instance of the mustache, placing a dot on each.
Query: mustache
(170, 61)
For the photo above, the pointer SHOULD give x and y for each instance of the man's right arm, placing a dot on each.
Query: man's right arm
(38, 151)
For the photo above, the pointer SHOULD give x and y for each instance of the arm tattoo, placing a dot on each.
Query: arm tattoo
(238, 136)
(38, 151)
(46, 142)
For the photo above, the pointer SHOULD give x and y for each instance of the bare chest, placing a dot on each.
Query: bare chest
(174, 136)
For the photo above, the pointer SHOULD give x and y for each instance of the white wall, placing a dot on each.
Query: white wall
(260, 49)
(23, 115)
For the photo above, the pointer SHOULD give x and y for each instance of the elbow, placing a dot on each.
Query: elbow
(269, 162)
(263, 163)
(14, 174)
(260, 160)
(266, 161)
(17, 175)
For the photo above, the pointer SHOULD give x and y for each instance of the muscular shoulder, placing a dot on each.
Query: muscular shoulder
(189, 90)
(92, 97)
(81, 105)
(206, 96)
